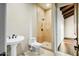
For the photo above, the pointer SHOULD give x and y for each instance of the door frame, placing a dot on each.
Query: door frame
(54, 15)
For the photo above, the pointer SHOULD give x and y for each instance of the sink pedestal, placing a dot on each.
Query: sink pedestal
(13, 43)
(14, 50)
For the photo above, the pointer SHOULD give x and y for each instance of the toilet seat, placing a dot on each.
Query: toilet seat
(35, 46)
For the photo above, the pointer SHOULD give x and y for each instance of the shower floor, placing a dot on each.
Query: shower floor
(47, 45)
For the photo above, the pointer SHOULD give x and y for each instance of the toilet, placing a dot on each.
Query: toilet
(34, 45)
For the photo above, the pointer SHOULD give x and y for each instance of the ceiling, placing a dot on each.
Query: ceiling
(67, 10)
(45, 6)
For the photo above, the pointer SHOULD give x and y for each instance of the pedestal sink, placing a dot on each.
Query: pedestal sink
(13, 43)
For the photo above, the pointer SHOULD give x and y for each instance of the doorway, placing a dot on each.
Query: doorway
(67, 28)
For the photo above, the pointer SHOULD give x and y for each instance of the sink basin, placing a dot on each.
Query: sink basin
(13, 43)
(15, 40)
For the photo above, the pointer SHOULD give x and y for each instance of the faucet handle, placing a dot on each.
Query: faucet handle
(13, 36)
(9, 37)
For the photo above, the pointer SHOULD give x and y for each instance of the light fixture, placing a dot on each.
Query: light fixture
(48, 4)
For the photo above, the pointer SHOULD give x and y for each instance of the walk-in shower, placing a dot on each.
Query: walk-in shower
(44, 25)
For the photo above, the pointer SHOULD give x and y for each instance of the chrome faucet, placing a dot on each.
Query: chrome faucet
(13, 36)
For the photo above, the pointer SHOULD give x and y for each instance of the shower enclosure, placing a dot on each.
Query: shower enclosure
(44, 25)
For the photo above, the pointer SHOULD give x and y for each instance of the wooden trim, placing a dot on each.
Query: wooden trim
(68, 38)
(68, 15)
(66, 7)
(69, 11)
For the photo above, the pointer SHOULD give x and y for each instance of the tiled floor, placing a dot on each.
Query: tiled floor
(47, 45)
(68, 46)
(43, 52)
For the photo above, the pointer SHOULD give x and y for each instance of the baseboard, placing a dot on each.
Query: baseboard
(68, 38)
(47, 49)
(3, 54)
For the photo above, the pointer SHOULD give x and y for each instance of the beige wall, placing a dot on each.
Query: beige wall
(40, 16)
(44, 35)
(69, 27)
(18, 18)
(48, 25)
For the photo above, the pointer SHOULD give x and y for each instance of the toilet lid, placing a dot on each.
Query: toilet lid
(36, 44)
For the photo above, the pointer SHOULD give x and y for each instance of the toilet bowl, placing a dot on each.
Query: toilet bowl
(34, 45)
